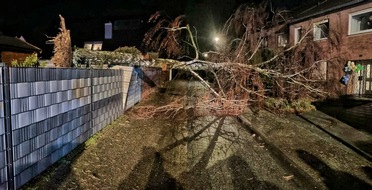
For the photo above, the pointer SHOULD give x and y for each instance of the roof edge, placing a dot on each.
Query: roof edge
(297, 20)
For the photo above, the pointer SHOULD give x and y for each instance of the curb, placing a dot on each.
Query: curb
(354, 148)
(284, 159)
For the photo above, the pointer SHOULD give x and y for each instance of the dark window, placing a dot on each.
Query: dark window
(127, 24)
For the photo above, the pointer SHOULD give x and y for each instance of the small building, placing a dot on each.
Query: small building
(12, 48)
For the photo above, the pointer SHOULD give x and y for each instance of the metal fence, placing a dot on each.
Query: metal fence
(46, 112)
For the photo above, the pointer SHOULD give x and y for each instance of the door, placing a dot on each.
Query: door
(367, 76)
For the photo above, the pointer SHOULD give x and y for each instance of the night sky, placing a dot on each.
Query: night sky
(33, 19)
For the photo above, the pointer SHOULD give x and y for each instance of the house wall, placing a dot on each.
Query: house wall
(7, 56)
(355, 46)
(272, 36)
(340, 46)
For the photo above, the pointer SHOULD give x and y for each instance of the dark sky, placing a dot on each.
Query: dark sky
(34, 19)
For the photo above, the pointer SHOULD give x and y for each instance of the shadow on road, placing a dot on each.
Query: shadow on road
(333, 179)
(243, 177)
(150, 170)
(197, 177)
(189, 138)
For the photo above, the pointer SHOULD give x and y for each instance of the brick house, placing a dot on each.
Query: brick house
(15, 49)
(343, 31)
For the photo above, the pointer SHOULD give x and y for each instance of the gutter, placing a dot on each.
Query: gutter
(21, 49)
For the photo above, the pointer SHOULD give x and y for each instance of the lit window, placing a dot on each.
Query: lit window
(108, 30)
(360, 22)
(88, 45)
(282, 40)
(321, 30)
(297, 35)
(93, 45)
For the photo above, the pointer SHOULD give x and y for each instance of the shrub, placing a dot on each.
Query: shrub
(30, 61)
(126, 49)
(43, 63)
(281, 105)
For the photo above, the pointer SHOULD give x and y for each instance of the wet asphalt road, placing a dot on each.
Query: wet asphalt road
(199, 153)
(216, 153)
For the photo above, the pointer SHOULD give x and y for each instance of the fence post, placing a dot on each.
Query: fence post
(91, 101)
(8, 127)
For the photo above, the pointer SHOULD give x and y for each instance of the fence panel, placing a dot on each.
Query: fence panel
(134, 90)
(3, 157)
(107, 97)
(50, 117)
(55, 110)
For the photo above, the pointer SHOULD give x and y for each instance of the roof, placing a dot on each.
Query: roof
(11, 43)
(316, 8)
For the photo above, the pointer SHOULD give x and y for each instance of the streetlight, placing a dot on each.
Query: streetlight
(219, 42)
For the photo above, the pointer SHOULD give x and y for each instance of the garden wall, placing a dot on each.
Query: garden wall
(51, 111)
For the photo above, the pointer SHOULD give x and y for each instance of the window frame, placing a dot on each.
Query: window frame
(351, 18)
(297, 34)
(282, 39)
(324, 73)
(317, 29)
(93, 45)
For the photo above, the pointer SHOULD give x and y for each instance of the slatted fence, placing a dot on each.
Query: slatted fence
(46, 112)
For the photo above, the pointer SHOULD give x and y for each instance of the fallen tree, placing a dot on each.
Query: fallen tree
(246, 72)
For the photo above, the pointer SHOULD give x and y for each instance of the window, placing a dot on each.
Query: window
(108, 30)
(282, 40)
(321, 30)
(360, 22)
(297, 35)
(93, 45)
